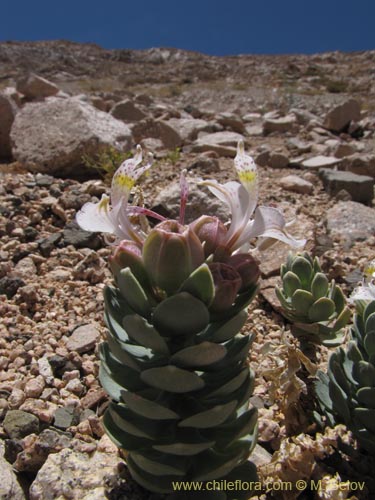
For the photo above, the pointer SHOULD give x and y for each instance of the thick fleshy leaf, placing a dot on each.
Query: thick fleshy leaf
(340, 402)
(366, 417)
(147, 408)
(213, 465)
(133, 292)
(338, 298)
(336, 370)
(321, 390)
(151, 482)
(343, 319)
(370, 323)
(121, 438)
(229, 432)
(134, 424)
(366, 396)
(159, 464)
(303, 269)
(121, 375)
(321, 310)
(186, 446)
(210, 418)
(172, 379)
(291, 283)
(369, 310)
(200, 284)
(302, 300)
(199, 355)
(180, 314)
(232, 385)
(319, 286)
(145, 334)
(364, 373)
(225, 330)
(370, 341)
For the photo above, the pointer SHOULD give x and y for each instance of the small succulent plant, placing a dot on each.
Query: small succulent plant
(346, 394)
(316, 308)
(174, 363)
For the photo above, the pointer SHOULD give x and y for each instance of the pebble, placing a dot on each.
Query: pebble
(18, 424)
(83, 339)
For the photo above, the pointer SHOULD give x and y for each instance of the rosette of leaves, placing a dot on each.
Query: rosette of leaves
(175, 364)
(315, 307)
(346, 394)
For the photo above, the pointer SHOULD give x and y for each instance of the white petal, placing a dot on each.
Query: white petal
(247, 173)
(95, 219)
(269, 223)
(365, 293)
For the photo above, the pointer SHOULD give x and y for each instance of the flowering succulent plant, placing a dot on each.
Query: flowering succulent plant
(174, 362)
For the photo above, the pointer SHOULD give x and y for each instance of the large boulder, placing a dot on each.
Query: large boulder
(36, 87)
(157, 129)
(53, 136)
(127, 111)
(8, 111)
(360, 187)
(340, 116)
(351, 221)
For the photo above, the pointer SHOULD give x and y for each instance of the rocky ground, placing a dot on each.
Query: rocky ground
(309, 122)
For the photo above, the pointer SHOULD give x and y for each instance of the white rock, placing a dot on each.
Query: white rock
(74, 475)
(321, 161)
(52, 136)
(283, 124)
(224, 143)
(188, 128)
(10, 489)
(83, 339)
(296, 184)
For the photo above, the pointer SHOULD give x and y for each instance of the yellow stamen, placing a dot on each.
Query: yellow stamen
(103, 204)
(124, 181)
(247, 176)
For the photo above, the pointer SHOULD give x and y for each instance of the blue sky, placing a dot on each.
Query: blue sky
(214, 27)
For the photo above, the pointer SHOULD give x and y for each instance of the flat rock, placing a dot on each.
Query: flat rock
(362, 164)
(74, 235)
(53, 136)
(74, 475)
(351, 221)
(223, 143)
(296, 184)
(127, 111)
(278, 160)
(189, 128)
(83, 339)
(66, 417)
(18, 424)
(283, 124)
(36, 87)
(10, 488)
(8, 110)
(320, 161)
(231, 121)
(157, 129)
(340, 116)
(360, 187)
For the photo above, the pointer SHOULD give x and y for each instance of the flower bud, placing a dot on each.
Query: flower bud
(227, 283)
(171, 252)
(247, 267)
(210, 231)
(129, 254)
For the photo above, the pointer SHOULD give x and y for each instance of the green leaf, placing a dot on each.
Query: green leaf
(211, 465)
(133, 292)
(192, 446)
(291, 283)
(172, 379)
(159, 464)
(145, 334)
(199, 355)
(282, 299)
(181, 314)
(366, 417)
(369, 341)
(134, 424)
(151, 482)
(242, 425)
(210, 418)
(338, 298)
(366, 396)
(302, 301)
(370, 309)
(232, 385)
(322, 392)
(364, 373)
(303, 269)
(370, 323)
(319, 286)
(200, 284)
(339, 400)
(336, 370)
(121, 438)
(343, 319)
(224, 330)
(321, 310)
(147, 408)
